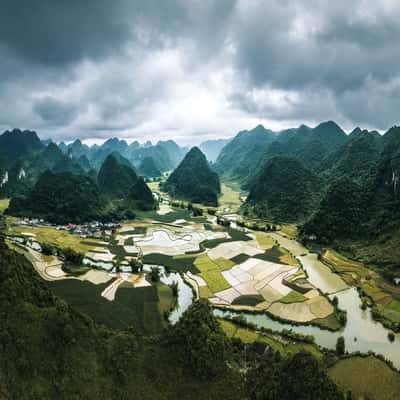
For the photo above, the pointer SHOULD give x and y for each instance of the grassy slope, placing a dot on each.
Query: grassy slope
(368, 378)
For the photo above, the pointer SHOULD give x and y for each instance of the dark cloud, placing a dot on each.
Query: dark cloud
(176, 67)
(55, 112)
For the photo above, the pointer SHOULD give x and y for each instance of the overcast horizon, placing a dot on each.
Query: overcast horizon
(196, 70)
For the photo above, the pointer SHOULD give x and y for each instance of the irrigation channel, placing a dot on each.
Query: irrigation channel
(361, 332)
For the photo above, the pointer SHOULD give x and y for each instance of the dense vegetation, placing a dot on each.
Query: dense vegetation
(238, 159)
(193, 180)
(115, 178)
(284, 190)
(48, 350)
(60, 198)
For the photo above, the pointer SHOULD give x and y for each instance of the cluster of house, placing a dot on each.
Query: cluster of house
(94, 229)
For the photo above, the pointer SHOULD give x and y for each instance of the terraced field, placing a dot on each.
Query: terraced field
(384, 296)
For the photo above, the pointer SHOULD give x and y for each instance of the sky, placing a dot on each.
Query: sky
(193, 70)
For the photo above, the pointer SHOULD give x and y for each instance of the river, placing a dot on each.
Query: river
(361, 332)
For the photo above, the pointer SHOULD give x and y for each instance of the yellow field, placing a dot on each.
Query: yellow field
(4, 204)
(265, 241)
(287, 258)
(289, 230)
(229, 199)
(154, 186)
(61, 239)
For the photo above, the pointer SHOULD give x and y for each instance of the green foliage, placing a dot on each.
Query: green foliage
(194, 180)
(340, 346)
(200, 341)
(299, 377)
(283, 190)
(60, 198)
(115, 179)
(340, 214)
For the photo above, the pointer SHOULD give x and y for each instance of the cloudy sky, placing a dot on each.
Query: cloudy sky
(196, 69)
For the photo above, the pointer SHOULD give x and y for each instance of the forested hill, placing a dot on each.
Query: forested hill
(116, 176)
(239, 157)
(60, 198)
(50, 351)
(193, 180)
(283, 190)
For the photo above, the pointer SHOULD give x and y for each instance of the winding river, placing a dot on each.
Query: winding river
(361, 332)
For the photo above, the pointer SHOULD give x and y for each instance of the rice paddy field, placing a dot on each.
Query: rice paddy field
(384, 296)
(4, 204)
(367, 378)
(50, 235)
(281, 344)
(230, 267)
(229, 199)
(141, 308)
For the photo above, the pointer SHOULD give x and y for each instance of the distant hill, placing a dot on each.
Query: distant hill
(309, 145)
(193, 180)
(17, 144)
(283, 190)
(212, 148)
(242, 157)
(60, 197)
(148, 168)
(115, 178)
(238, 159)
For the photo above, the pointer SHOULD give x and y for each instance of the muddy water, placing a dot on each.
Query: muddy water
(361, 332)
(318, 273)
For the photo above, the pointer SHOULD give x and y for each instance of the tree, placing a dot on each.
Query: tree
(47, 249)
(299, 376)
(175, 288)
(155, 274)
(200, 341)
(340, 346)
(136, 265)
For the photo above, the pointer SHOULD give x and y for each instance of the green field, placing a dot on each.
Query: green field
(248, 300)
(177, 263)
(229, 199)
(293, 297)
(283, 345)
(367, 378)
(137, 307)
(210, 271)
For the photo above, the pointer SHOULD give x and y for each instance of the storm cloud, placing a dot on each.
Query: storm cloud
(191, 70)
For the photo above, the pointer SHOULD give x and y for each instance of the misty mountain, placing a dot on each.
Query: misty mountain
(212, 148)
